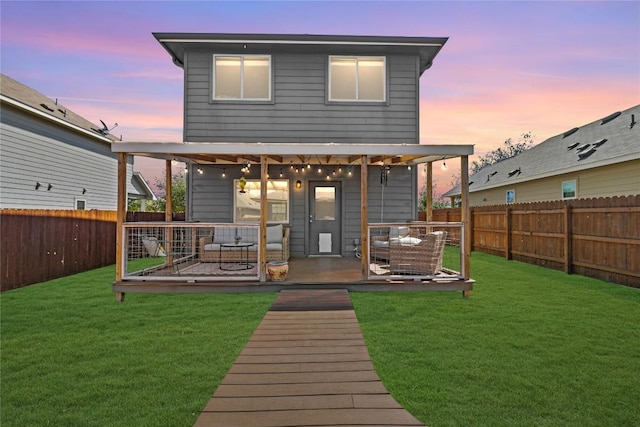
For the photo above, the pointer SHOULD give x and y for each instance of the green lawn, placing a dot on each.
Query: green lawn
(529, 347)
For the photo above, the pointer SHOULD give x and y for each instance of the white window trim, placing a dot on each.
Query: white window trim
(366, 101)
(75, 204)
(236, 187)
(241, 99)
(506, 196)
(575, 189)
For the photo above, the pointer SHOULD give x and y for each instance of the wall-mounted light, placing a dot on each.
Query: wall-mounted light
(298, 184)
(84, 190)
(200, 171)
(38, 185)
(49, 187)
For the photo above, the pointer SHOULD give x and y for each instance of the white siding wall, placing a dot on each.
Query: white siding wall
(622, 179)
(34, 150)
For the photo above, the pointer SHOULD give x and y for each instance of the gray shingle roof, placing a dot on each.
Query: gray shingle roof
(591, 145)
(27, 96)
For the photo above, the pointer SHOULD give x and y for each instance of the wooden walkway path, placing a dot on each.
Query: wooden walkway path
(306, 365)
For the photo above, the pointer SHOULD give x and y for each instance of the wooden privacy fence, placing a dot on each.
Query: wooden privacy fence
(40, 244)
(592, 237)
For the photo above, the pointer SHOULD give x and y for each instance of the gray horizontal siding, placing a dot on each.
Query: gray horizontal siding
(33, 150)
(299, 111)
(212, 200)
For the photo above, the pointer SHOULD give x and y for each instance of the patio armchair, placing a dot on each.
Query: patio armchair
(418, 255)
(277, 244)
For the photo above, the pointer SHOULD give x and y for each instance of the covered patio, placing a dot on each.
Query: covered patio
(181, 267)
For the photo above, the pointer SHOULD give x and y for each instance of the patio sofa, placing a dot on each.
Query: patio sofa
(212, 251)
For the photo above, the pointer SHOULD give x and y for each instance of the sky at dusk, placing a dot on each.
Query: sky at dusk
(509, 67)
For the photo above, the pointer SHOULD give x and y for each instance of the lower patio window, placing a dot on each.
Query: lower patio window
(246, 205)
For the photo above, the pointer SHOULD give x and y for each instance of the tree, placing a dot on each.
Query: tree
(178, 194)
(506, 151)
(436, 204)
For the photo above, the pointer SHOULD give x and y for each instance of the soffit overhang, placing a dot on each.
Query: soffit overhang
(426, 48)
(289, 153)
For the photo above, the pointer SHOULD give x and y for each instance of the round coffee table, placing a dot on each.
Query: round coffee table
(242, 263)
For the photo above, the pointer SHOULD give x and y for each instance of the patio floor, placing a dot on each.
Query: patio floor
(304, 272)
(305, 365)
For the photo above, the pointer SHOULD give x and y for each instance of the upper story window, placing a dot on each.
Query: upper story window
(242, 77)
(357, 78)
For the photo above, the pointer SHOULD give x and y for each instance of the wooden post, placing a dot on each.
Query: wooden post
(429, 191)
(120, 218)
(364, 217)
(262, 250)
(464, 213)
(508, 231)
(168, 213)
(568, 255)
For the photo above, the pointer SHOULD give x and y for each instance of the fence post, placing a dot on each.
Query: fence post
(568, 256)
(509, 242)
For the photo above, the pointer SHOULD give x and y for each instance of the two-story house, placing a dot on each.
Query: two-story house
(53, 158)
(328, 124)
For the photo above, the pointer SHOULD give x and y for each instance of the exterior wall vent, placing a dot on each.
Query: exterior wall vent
(569, 132)
(572, 146)
(610, 117)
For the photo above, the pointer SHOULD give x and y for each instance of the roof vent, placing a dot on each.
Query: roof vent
(515, 172)
(572, 146)
(610, 117)
(633, 121)
(569, 132)
(583, 147)
(46, 107)
(470, 182)
(599, 142)
(493, 173)
(586, 154)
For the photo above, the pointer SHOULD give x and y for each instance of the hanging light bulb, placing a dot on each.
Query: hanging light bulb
(444, 166)
(281, 174)
(408, 167)
(224, 172)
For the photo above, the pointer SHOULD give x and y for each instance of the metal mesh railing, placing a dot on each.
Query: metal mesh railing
(182, 251)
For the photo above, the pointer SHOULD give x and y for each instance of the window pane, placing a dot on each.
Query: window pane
(371, 79)
(325, 203)
(343, 78)
(227, 77)
(256, 78)
(569, 190)
(247, 204)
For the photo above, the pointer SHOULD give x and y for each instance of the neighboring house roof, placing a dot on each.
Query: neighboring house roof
(609, 140)
(26, 98)
(425, 47)
(143, 190)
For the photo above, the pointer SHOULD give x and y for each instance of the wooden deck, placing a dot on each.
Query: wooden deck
(306, 365)
(305, 273)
